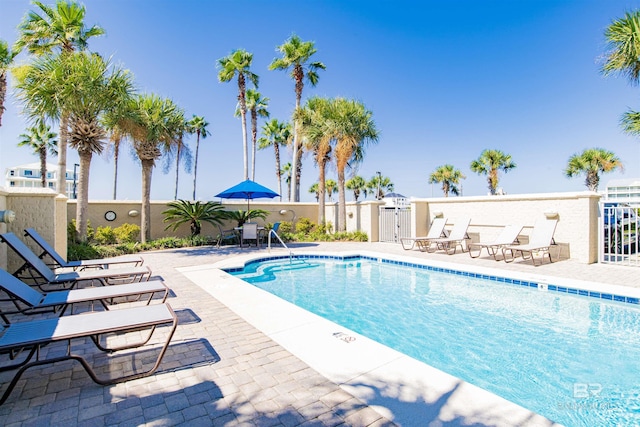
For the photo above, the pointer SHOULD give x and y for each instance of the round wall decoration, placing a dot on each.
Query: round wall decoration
(110, 215)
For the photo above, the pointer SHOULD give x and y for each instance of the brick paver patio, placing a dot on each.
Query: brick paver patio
(219, 370)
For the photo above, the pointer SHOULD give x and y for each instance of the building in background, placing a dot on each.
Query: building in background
(623, 191)
(29, 176)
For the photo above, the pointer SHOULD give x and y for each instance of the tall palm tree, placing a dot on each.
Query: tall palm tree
(6, 58)
(57, 29)
(42, 141)
(358, 185)
(115, 122)
(275, 134)
(490, 163)
(331, 188)
(182, 154)
(380, 185)
(449, 177)
(315, 128)
(295, 56)
(82, 86)
(286, 171)
(197, 125)
(592, 162)
(158, 122)
(238, 63)
(353, 128)
(257, 106)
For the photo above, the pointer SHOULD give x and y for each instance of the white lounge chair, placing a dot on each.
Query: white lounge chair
(540, 241)
(508, 236)
(435, 232)
(457, 237)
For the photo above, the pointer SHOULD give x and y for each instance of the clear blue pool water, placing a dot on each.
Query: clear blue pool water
(573, 359)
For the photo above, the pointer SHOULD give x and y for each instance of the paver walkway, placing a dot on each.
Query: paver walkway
(220, 370)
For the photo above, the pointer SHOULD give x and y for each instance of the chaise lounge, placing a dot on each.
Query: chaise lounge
(508, 236)
(457, 237)
(34, 269)
(30, 337)
(436, 231)
(540, 241)
(60, 262)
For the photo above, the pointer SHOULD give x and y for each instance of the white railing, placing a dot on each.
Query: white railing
(619, 241)
(272, 232)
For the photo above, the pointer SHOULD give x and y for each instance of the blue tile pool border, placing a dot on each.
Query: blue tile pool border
(501, 279)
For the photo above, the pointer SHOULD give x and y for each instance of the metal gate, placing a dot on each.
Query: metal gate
(395, 223)
(618, 234)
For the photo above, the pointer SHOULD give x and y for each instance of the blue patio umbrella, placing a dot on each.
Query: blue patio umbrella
(247, 190)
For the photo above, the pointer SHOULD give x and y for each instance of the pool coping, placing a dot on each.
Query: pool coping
(397, 386)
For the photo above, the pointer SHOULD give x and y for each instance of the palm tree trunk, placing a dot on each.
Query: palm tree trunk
(254, 138)
(243, 117)
(342, 207)
(3, 92)
(195, 165)
(276, 149)
(145, 215)
(321, 191)
(61, 180)
(116, 154)
(175, 193)
(82, 203)
(42, 152)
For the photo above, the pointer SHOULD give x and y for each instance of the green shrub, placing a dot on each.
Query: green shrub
(304, 225)
(78, 251)
(127, 233)
(105, 236)
(72, 234)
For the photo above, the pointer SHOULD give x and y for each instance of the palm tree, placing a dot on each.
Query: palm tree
(315, 121)
(61, 29)
(449, 177)
(592, 162)
(352, 128)
(623, 57)
(239, 63)
(6, 58)
(314, 190)
(115, 122)
(83, 87)
(295, 56)
(182, 153)
(331, 188)
(42, 141)
(197, 125)
(358, 185)
(158, 122)
(194, 213)
(490, 163)
(275, 134)
(380, 185)
(286, 171)
(257, 106)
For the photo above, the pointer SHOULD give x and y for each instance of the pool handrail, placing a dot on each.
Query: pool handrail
(272, 231)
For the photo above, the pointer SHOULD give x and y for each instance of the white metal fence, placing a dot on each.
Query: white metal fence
(619, 240)
(395, 223)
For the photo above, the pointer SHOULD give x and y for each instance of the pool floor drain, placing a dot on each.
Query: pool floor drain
(344, 337)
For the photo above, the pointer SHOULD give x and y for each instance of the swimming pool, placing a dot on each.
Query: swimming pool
(568, 358)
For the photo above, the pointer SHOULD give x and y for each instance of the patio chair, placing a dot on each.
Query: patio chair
(508, 236)
(249, 232)
(226, 236)
(540, 241)
(34, 269)
(27, 300)
(436, 231)
(60, 262)
(457, 237)
(29, 337)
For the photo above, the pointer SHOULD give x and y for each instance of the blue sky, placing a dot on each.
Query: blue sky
(444, 80)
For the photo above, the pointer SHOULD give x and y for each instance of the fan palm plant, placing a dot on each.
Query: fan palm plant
(42, 141)
(241, 216)
(51, 30)
(6, 58)
(238, 63)
(296, 55)
(197, 125)
(358, 185)
(592, 162)
(257, 106)
(449, 177)
(274, 134)
(380, 185)
(490, 163)
(193, 213)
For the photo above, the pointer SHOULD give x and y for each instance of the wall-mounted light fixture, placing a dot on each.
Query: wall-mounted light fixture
(134, 212)
(551, 214)
(7, 216)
